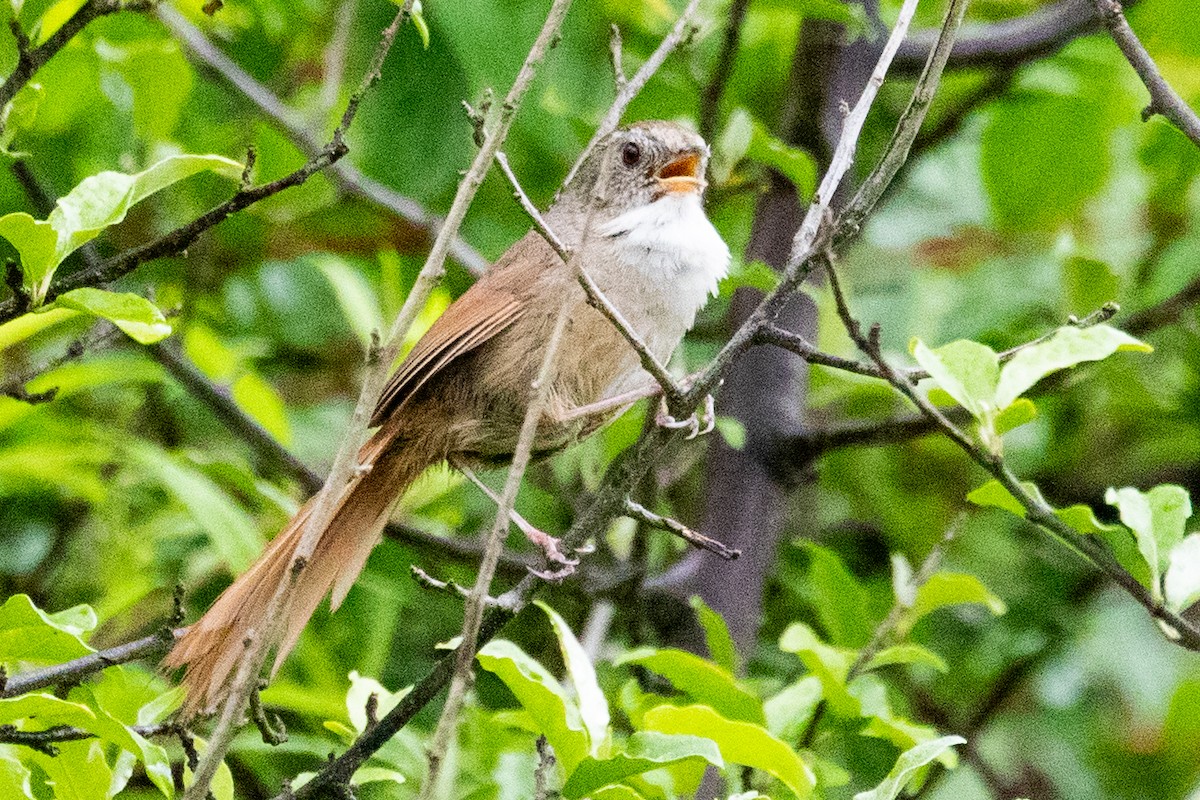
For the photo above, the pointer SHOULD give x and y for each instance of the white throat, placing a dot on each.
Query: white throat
(658, 264)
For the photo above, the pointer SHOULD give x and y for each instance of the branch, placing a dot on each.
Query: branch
(344, 174)
(596, 298)
(710, 99)
(684, 27)
(30, 60)
(1037, 510)
(1011, 42)
(640, 513)
(1163, 99)
(344, 465)
(607, 503)
(74, 671)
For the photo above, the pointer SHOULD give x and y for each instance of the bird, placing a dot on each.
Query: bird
(634, 220)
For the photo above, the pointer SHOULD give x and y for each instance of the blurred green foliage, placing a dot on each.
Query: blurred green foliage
(1046, 201)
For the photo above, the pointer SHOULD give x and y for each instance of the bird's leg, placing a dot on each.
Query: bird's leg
(539, 537)
(609, 404)
(696, 425)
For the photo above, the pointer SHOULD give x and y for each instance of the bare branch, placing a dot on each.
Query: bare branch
(1011, 42)
(683, 29)
(698, 540)
(31, 59)
(1163, 99)
(347, 177)
(710, 99)
(76, 670)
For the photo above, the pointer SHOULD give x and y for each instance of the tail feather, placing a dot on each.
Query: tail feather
(212, 647)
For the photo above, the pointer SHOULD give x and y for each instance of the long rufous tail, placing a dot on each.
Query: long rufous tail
(211, 648)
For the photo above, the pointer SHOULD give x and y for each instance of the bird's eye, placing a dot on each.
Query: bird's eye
(631, 154)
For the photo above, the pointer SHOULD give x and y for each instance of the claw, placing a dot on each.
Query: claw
(695, 425)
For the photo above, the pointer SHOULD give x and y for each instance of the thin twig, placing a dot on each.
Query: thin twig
(596, 298)
(545, 767)
(684, 26)
(1163, 99)
(31, 59)
(1037, 510)
(344, 465)
(73, 671)
(607, 502)
(348, 177)
(710, 98)
(698, 540)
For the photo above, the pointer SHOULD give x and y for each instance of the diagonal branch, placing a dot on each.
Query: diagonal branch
(1011, 42)
(30, 60)
(344, 174)
(1163, 99)
(607, 503)
(596, 298)
(1037, 510)
(684, 27)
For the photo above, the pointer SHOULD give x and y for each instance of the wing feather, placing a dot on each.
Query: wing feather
(489, 307)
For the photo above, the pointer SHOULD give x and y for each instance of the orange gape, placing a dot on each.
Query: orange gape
(634, 217)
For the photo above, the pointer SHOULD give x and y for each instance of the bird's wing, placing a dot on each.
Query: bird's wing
(494, 303)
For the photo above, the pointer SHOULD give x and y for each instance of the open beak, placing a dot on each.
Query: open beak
(682, 175)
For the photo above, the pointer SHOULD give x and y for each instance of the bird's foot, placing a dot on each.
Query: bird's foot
(696, 425)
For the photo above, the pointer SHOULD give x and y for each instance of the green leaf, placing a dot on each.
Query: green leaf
(1037, 176)
(31, 635)
(948, 589)
(965, 370)
(907, 654)
(47, 709)
(732, 432)
(739, 742)
(593, 708)
(841, 602)
(1157, 520)
(829, 664)
(542, 697)
(909, 762)
(716, 635)
(617, 792)
(14, 777)
(1089, 284)
(701, 680)
(1181, 584)
(789, 710)
(96, 203)
(36, 243)
(133, 314)
(1014, 416)
(78, 772)
(1066, 348)
(418, 20)
(366, 775)
(19, 114)
(644, 751)
(229, 528)
(797, 165)
(354, 294)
